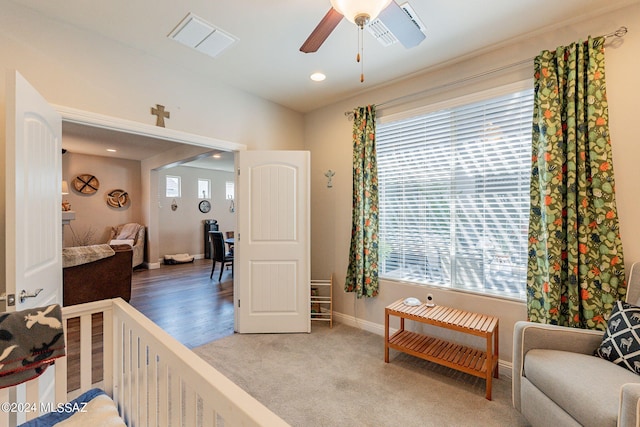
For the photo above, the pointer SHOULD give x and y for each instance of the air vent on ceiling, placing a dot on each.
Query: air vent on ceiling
(197, 33)
(414, 16)
(381, 33)
(384, 35)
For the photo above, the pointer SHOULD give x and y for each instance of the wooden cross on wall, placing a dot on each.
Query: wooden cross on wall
(158, 111)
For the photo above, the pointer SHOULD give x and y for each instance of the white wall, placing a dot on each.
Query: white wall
(182, 230)
(328, 137)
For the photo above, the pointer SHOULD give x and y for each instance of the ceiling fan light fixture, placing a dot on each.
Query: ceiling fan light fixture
(352, 9)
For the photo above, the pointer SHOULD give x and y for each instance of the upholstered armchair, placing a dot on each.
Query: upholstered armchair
(557, 380)
(131, 234)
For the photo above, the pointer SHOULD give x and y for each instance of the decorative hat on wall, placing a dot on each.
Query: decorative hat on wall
(118, 198)
(86, 184)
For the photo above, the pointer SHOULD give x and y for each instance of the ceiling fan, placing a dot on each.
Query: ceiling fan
(361, 12)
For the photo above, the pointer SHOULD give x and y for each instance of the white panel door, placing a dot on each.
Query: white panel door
(272, 248)
(33, 218)
(33, 246)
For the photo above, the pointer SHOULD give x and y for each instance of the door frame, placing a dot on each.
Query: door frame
(87, 118)
(150, 216)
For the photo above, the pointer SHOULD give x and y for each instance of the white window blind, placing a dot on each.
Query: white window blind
(454, 196)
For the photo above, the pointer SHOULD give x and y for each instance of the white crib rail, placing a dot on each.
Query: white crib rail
(24, 402)
(154, 379)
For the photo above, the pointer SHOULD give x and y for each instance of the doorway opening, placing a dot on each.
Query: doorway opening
(156, 149)
(155, 152)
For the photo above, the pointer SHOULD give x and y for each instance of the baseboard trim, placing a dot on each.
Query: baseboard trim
(359, 323)
(151, 265)
(505, 368)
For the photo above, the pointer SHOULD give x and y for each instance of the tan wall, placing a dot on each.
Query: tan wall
(82, 70)
(182, 230)
(74, 68)
(328, 137)
(93, 214)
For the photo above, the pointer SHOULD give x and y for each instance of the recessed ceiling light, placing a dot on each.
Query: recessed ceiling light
(217, 156)
(317, 77)
(111, 150)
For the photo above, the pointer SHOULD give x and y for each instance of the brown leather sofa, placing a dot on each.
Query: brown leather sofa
(102, 279)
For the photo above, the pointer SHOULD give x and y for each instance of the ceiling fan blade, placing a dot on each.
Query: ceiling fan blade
(322, 31)
(401, 25)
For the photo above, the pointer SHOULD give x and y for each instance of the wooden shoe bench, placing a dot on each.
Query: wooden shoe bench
(480, 363)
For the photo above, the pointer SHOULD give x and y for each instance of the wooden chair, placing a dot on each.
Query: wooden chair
(218, 253)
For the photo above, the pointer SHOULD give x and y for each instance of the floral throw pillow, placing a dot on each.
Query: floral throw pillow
(621, 341)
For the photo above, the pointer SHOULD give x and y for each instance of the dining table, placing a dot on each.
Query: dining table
(230, 241)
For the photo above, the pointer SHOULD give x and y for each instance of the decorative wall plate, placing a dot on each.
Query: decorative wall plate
(86, 184)
(118, 198)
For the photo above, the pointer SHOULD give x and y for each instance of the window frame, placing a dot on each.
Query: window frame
(231, 184)
(178, 180)
(457, 102)
(208, 192)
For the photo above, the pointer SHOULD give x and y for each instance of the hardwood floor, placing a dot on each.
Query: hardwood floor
(183, 301)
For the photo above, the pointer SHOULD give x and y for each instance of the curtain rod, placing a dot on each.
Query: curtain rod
(619, 33)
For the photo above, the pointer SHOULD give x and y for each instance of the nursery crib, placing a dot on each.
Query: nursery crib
(152, 378)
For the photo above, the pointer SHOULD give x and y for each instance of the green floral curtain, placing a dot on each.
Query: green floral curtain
(362, 273)
(575, 271)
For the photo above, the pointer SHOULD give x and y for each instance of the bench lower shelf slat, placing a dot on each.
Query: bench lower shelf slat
(459, 357)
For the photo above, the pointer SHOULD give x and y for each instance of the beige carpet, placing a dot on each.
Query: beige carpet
(337, 377)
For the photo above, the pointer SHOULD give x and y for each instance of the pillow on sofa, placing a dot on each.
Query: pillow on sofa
(621, 341)
(128, 232)
(115, 242)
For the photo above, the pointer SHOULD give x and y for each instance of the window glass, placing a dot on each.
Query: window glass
(204, 188)
(230, 190)
(454, 195)
(173, 186)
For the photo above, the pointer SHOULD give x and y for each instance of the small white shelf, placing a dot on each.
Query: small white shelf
(67, 217)
(322, 300)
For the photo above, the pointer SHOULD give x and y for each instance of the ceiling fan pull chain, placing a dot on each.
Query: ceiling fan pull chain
(360, 56)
